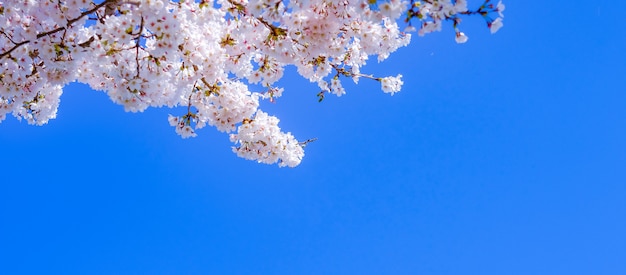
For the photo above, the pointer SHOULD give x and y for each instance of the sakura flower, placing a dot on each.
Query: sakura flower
(500, 8)
(495, 25)
(461, 37)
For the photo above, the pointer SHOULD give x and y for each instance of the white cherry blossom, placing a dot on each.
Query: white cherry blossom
(495, 25)
(461, 37)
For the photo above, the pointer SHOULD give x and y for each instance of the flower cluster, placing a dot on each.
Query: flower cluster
(433, 13)
(261, 139)
(391, 84)
(216, 58)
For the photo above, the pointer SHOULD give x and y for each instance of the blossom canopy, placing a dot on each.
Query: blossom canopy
(216, 59)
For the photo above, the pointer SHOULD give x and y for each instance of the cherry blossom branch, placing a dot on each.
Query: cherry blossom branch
(189, 61)
(344, 72)
(69, 24)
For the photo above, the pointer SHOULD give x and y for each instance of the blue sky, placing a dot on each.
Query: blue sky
(504, 155)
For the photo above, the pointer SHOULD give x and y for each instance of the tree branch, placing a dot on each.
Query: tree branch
(69, 24)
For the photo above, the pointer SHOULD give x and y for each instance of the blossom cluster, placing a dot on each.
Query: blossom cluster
(215, 58)
(432, 14)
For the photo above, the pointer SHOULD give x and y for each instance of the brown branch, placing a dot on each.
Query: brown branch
(137, 46)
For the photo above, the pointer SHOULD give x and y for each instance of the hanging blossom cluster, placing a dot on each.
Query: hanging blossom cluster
(216, 59)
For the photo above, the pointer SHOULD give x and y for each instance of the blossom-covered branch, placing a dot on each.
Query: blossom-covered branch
(216, 59)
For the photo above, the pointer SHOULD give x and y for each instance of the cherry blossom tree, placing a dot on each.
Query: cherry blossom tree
(215, 60)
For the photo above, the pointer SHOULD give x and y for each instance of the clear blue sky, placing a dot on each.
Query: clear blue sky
(505, 155)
